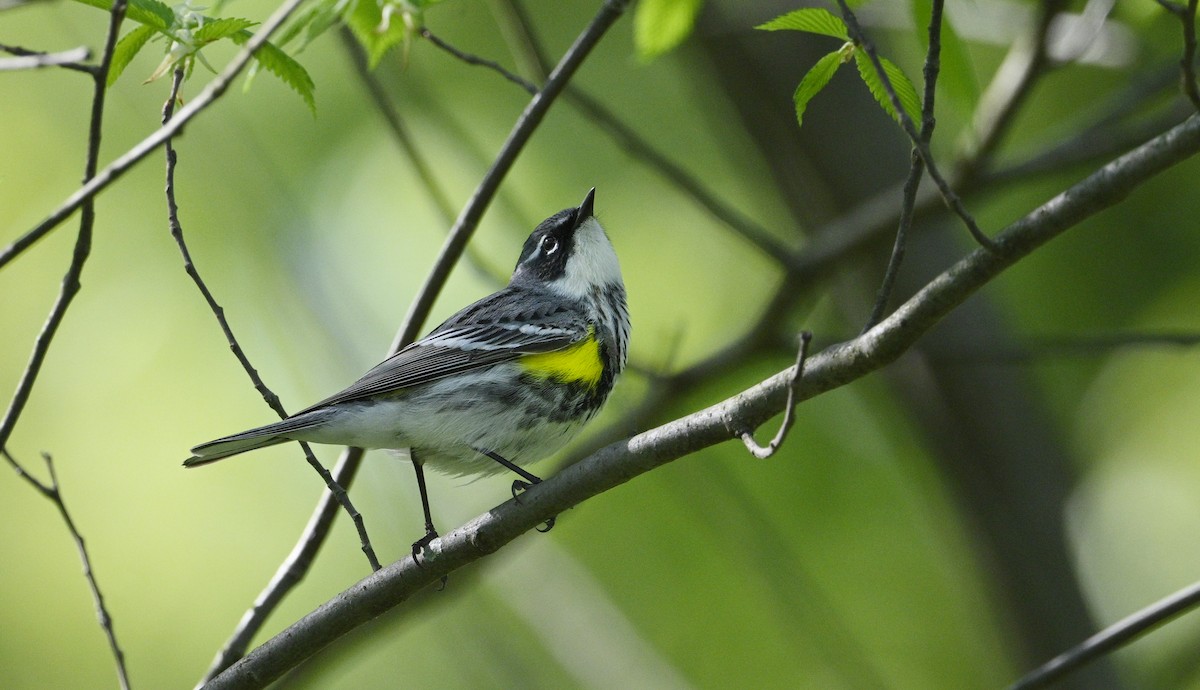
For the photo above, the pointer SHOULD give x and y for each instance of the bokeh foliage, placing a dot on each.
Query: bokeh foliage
(851, 559)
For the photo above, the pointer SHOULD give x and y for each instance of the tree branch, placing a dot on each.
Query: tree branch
(31, 59)
(470, 59)
(53, 493)
(948, 195)
(113, 171)
(789, 408)
(916, 167)
(525, 46)
(83, 241)
(1111, 638)
(267, 394)
(293, 568)
(622, 461)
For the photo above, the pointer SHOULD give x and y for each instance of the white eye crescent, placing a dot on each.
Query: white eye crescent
(549, 245)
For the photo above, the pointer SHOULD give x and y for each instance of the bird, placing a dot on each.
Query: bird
(506, 381)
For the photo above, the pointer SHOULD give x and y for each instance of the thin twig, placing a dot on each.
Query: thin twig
(622, 461)
(529, 120)
(30, 59)
(113, 171)
(1024, 64)
(297, 563)
(267, 394)
(789, 408)
(53, 493)
(396, 126)
(952, 200)
(70, 287)
(1187, 63)
(916, 170)
(527, 49)
(83, 241)
(1111, 638)
(1041, 349)
(470, 59)
(404, 139)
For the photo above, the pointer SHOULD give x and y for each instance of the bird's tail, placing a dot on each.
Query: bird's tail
(263, 436)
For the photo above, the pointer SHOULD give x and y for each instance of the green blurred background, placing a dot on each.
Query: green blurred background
(927, 527)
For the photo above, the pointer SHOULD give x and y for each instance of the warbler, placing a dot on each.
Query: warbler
(504, 382)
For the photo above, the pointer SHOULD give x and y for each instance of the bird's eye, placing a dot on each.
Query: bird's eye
(549, 245)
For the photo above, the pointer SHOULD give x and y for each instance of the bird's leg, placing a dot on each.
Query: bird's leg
(430, 532)
(518, 485)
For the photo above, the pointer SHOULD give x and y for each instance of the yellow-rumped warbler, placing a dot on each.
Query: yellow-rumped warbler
(504, 382)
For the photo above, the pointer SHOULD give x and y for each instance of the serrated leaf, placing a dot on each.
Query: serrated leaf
(367, 21)
(900, 84)
(661, 25)
(126, 49)
(813, 20)
(148, 12)
(814, 81)
(283, 66)
(216, 29)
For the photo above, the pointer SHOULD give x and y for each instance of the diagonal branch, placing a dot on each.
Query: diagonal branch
(31, 59)
(921, 147)
(53, 493)
(267, 394)
(1111, 638)
(518, 31)
(294, 567)
(83, 242)
(916, 167)
(113, 171)
(470, 59)
(619, 462)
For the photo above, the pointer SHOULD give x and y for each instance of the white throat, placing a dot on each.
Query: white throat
(592, 264)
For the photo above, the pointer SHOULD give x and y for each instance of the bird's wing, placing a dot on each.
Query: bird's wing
(497, 328)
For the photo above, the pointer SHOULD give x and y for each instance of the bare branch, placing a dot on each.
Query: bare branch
(267, 394)
(525, 46)
(1011, 85)
(470, 59)
(297, 563)
(404, 139)
(53, 493)
(952, 200)
(1111, 638)
(29, 59)
(620, 462)
(113, 171)
(916, 168)
(83, 241)
(789, 408)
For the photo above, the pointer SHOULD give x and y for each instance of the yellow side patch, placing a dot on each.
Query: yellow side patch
(579, 363)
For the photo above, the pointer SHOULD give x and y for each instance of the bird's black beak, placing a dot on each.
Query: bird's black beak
(585, 209)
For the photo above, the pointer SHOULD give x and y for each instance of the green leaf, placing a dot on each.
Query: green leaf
(661, 25)
(216, 29)
(900, 84)
(813, 20)
(148, 12)
(376, 31)
(126, 49)
(814, 81)
(283, 66)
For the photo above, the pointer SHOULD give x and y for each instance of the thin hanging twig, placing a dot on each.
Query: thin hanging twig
(789, 409)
